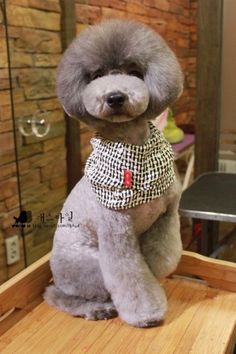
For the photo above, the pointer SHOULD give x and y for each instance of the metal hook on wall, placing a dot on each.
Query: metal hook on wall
(40, 123)
(37, 125)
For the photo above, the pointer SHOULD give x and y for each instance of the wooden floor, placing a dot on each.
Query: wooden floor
(199, 320)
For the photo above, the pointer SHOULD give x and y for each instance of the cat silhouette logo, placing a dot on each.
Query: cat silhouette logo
(25, 216)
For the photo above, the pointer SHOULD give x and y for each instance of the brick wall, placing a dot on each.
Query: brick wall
(175, 20)
(35, 47)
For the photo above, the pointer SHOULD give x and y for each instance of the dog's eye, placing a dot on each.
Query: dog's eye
(136, 73)
(96, 75)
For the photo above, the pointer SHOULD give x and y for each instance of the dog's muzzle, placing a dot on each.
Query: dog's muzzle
(116, 97)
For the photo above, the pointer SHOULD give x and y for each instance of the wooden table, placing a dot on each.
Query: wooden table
(201, 318)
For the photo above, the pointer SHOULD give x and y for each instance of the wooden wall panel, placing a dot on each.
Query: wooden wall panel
(209, 54)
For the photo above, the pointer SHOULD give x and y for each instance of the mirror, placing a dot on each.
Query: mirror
(33, 151)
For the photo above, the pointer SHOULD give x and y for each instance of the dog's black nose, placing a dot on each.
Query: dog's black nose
(115, 99)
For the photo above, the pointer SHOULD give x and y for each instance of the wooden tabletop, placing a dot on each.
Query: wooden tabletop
(200, 320)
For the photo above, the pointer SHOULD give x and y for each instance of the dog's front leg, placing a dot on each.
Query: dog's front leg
(161, 245)
(135, 291)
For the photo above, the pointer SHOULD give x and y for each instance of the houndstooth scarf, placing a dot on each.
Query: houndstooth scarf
(125, 175)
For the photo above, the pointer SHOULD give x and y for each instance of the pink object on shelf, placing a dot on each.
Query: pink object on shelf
(187, 141)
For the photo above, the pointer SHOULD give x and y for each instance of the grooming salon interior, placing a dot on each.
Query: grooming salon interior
(77, 223)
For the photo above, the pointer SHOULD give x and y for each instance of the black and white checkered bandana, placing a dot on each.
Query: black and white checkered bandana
(125, 175)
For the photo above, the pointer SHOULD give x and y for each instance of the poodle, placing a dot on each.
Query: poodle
(116, 77)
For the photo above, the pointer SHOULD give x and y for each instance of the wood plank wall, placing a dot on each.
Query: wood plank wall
(209, 54)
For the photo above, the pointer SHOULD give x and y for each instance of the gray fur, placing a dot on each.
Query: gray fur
(113, 260)
(119, 46)
(136, 93)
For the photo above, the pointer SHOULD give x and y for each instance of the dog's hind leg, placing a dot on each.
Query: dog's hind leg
(79, 288)
(77, 306)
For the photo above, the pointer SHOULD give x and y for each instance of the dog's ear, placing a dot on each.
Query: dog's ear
(67, 112)
(164, 79)
(71, 81)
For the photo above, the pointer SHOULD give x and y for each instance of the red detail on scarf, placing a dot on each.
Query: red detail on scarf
(127, 178)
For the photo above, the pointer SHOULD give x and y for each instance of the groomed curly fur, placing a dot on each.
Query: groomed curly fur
(119, 47)
(116, 76)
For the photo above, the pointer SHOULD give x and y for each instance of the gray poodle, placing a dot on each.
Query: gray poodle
(116, 77)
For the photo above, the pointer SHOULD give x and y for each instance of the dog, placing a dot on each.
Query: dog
(116, 77)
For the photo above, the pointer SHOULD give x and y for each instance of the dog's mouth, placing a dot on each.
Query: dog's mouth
(124, 113)
(118, 118)
(117, 114)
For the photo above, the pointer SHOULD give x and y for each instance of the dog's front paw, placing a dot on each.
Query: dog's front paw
(151, 318)
(147, 310)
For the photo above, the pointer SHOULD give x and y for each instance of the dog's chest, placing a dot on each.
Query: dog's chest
(144, 215)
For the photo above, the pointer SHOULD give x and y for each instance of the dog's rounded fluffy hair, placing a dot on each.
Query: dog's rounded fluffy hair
(116, 52)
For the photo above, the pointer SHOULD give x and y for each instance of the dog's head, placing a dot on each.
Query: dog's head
(118, 71)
